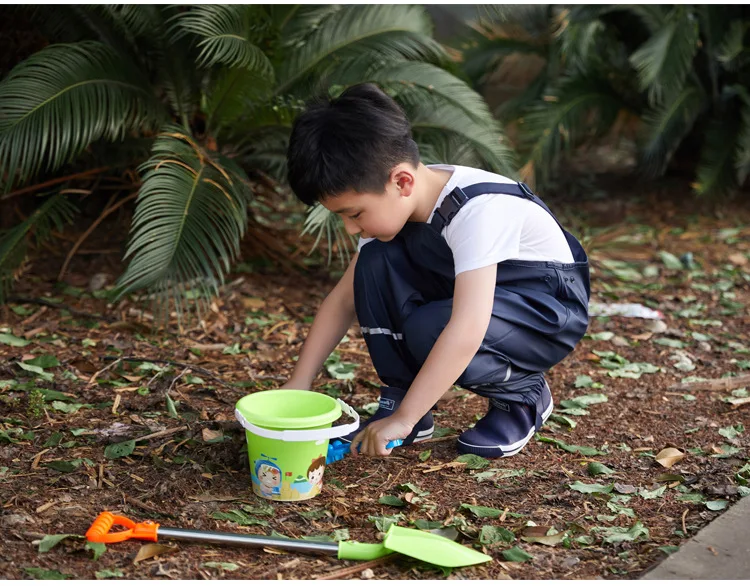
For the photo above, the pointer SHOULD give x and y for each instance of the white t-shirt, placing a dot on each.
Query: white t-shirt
(495, 227)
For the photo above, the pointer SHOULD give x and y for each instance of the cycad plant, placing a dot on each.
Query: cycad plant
(682, 71)
(211, 92)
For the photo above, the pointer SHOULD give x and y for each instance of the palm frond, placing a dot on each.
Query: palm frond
(356, 29)
(667, 125)
(322, 222)
(742, 159)
(716, 173)
(230, 94)
(733, 46)
(265, 148)
(654, 16)
(665, 59)
(54, 104)
(55, 211)
(190, 215)
(577, 109)
(227, 36)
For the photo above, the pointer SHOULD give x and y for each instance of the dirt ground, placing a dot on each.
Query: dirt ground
(590, 482)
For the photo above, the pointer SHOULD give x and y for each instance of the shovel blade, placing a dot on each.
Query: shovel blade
(431, 548)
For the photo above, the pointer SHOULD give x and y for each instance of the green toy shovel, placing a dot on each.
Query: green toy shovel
(420, 545)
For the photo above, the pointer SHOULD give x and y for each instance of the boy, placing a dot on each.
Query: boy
(461, 276)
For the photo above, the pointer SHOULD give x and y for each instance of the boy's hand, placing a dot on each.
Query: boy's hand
(377, 434)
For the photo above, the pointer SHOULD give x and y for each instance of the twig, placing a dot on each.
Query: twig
(162, 433)
(52, 182)
(684, 527)
(106, 368)
(714, 384)
(141, 505)
(344, 572)
(91, 228)
(36, 301)
(199, 369)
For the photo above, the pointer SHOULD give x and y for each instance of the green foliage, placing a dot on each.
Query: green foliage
(199, 97)
(679, 71)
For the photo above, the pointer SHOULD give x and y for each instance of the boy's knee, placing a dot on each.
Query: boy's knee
(424, 325)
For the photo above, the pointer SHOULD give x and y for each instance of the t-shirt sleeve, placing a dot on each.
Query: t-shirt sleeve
(486, 231)
(362, 242)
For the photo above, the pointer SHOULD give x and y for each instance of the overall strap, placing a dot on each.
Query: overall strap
(457, 198)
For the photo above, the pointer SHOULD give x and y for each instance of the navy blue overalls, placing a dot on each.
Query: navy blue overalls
(403, 292)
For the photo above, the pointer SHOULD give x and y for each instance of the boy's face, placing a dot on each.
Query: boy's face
(374, 215)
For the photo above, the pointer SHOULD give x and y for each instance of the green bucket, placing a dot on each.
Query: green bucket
(287, 435)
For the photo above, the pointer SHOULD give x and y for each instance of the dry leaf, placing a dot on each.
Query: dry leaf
(253, 303)
(538, 534)
(132, 378)
(668, 457)
(211, 434)
(151, 550)
(737, 259)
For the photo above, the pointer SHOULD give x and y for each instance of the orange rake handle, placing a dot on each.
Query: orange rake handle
(99, 530)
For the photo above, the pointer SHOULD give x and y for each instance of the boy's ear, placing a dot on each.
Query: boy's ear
(402, 176)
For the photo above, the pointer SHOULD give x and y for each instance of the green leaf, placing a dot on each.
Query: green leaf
(171, 408)
(603, 336)
(668, 549)
(119, 450)
(424, 456)
(426, 525)
(53, 440)
(591, 488)
(226, 566)
(391, 500)
(719, 505)
(104, 574)
(12, 340)
(573, 449)
(481, 512)
(583, 381)
(669, 342)
(44, 361)
(63, 466)
(652, 494)
(384, 522)
(516, 554)
(98, 548)
(49, 541)
(563, 420)
(473, 462)
(670, 260)
(42, 574)
(68, 407)
(489, 535)
(620, 534)
(732, 431)
(596, 468)
(47, 376)
(263, 509)
(236, 516)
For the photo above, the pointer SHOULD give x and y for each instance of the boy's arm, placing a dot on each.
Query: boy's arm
(333, 319)
(473, 299)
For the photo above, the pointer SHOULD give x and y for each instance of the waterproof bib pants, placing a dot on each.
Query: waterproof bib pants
(403, 292)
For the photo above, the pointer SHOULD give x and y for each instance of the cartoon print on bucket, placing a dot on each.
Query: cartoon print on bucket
(267, 477)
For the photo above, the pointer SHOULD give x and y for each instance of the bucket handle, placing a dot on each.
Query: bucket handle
(304, 435)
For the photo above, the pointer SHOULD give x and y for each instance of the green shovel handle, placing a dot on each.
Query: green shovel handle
(351, 550)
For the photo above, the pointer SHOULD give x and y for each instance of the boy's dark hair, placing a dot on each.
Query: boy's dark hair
(348, 143)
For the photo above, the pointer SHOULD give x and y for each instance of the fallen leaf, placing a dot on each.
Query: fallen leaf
(212, 435)
(668, 457)
(253, 303)
(737, 259)
(544, 535)
(151, 550)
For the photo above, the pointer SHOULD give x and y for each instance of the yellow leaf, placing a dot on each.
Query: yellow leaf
(668, 457)
(151, 550)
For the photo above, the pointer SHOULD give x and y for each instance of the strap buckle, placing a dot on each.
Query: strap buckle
(526, 190)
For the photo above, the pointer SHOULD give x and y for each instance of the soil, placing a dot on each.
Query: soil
(198, 466)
